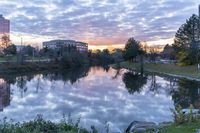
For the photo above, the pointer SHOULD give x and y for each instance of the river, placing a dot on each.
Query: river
(98, 96)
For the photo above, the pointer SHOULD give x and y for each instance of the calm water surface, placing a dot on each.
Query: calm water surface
(97, 95)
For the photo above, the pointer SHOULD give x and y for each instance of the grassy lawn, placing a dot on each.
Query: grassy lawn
(187, 71)
(185, 128)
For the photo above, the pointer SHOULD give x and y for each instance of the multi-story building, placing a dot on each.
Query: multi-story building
(4, 32)
(4, 25)
(58, 44)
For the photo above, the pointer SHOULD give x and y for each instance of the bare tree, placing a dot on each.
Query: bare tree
(5, 41)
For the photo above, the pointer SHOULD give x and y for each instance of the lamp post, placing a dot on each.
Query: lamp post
(198, 52)
(20, 54)
(198, 55)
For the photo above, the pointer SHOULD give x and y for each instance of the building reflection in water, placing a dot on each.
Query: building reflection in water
(4, 94)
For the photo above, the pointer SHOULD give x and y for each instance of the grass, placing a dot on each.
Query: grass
(14, 58)
(184, 128)
(170, 69)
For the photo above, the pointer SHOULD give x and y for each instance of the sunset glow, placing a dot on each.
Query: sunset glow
(101, 24)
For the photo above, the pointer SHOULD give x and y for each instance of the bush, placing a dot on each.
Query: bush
(181, 117)
(39, 125)
(74, 59)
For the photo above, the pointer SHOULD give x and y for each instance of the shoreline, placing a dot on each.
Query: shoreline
(134, 67)
(34, 67)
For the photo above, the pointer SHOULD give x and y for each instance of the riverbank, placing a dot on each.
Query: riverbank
(7, 68)
(67, 126)
(183, 128)
(28, 67)
(189, 72)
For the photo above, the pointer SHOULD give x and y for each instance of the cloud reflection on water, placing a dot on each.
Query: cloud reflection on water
(97, 98)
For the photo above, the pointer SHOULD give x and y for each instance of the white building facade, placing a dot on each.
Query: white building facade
(57, 44)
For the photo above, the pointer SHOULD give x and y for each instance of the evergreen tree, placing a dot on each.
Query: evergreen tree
(132, 49)
(187, 40)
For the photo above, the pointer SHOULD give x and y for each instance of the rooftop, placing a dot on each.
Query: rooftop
(73, 41)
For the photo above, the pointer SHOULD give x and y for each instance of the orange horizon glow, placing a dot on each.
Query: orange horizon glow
(110, 47)
(157, 43)
(36, 40)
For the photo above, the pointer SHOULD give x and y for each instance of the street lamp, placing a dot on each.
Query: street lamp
(198, 55)
(20, 57)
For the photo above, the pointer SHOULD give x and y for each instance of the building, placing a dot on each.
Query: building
(4, 25)
(4, 32)
(58, 44)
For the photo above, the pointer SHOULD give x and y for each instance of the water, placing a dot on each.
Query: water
(98, 95)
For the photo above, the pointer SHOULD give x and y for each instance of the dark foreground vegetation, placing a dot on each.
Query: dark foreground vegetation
(39, 125)
(184, 122)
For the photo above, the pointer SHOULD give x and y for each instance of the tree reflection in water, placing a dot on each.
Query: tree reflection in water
(21, 84)
(72, 75)
(21, 79)
(184, 92)
(187, 92)
(4, 94)
(134, 82)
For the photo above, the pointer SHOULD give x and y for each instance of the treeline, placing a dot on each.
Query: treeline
(65, 56)
(105, 56)
(70, 57)
(185, 49)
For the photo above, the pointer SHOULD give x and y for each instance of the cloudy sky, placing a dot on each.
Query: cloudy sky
(98, 22)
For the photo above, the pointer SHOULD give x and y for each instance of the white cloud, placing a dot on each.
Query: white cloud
(108, 21)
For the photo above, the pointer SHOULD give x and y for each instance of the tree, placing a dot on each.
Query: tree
(10, 50)
(168, 52)
(132, 49)
(188, 33)
(28, 50)
(5, 41)
(117, 55)
(187, 39)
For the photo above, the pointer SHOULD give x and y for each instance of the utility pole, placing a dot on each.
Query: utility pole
(33, 53)
(198, 43)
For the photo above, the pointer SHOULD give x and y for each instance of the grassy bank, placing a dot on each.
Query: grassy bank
(170, 69)
(184, 128)
(28, 67)
(35, 67)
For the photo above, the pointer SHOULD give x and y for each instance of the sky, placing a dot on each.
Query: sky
(101, 23)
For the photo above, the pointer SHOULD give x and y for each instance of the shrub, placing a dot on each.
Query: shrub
(39, 125)
(74, 59)
(181, 117)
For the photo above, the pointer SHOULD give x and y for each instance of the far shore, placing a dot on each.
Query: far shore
(188, 72)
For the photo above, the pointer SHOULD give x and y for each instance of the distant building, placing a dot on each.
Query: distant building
(58, 44)
(4, 32)
(4, 25)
